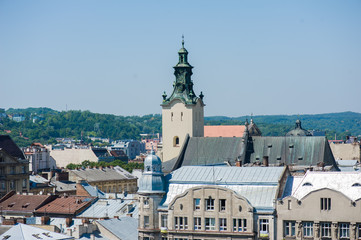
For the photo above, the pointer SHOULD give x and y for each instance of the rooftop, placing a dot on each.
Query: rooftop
(224, 131)
(125, 228)
(7, 144)
(27, 232)
(348, 183)
(23, 203)
(103, 174)
(66, 205)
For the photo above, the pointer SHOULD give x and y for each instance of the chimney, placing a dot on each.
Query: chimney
(45, 220)
(239, 163)
(265, 161)
(68, 221)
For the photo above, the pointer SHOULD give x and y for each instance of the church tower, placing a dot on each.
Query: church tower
(182, 112)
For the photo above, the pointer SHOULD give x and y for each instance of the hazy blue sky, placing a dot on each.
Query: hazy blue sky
(260, 57)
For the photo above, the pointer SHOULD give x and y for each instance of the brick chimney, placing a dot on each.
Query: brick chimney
(68, 221)
(45, 220)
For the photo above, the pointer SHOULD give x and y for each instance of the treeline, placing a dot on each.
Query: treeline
(44, 125)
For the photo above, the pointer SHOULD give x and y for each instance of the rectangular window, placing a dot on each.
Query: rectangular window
(12, 184)
(308, 229)
(197, 223)
(146, 203)
(358, 231)
(210, 224)
(24, 183)
(197, 204)
(290, 229)
(164, 220)
(264, 228)
(344, 230)
(222, 204)
(146, 221)
(23, 169)
(239, 225)
(180, 223)
(12, 170)
(325, 229)
(209, 204)
(223, 224)
(2, 185)
(325, 203)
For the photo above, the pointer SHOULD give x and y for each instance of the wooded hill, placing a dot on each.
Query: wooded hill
(44, 125)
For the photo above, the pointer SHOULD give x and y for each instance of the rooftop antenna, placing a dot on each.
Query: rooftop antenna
(182, 40)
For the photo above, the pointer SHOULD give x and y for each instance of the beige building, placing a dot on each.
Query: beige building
(321, 205)
(209, 202)
(182, 112)
(346, 151)
(65, 156)
(107, 179)
(14, 168)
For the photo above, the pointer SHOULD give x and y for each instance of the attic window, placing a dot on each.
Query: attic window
(11, 204)
(290, 146)
(300, 158)
(307, 184)
(25, 205)
(269, 145)
(278, 158)
(257, 158)
(356, 185)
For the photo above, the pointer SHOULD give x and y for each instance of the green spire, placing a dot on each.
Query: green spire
(183, 85)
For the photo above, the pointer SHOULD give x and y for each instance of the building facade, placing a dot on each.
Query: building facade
(107, 179)
(39, 158)
(321, 205)
(14, 168)
(183, 111)
(209, 202)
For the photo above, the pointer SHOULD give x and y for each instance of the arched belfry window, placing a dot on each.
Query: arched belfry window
(176, 141)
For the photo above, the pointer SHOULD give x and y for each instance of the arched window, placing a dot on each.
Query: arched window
(356, 185)
(307, 184)
(176, 141)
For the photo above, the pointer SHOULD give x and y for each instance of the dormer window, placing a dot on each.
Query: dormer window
(356, 185)
(307, 184)
(11, 204)
(25, 205)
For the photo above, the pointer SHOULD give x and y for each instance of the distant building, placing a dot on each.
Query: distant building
(39, 158)
(346, 150)
(151, 144)
(107, 179)
(14, 168)
(65, 156)
(132, 148)
(17, 117)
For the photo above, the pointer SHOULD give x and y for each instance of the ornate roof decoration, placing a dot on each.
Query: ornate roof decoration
(152, 180)
(183, 85)
(298, 131)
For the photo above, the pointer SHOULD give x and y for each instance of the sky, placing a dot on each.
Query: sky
(117, 57)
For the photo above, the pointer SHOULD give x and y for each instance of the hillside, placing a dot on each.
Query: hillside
(44, 124)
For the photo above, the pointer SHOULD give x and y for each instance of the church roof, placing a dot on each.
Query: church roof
(304, 151)
(224, 131)
(298, 130)
(213, 150)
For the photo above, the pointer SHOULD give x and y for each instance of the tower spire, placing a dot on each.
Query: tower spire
(182, 40)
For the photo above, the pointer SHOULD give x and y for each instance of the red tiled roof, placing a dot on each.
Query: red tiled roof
(66, 205)
(23, 203)
(224, 131)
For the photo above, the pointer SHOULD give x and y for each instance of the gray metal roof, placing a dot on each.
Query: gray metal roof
(111, 208)
(259, 185)
(227, 175)
(92, 190)
(125, 228)
(292, 150)
(212, 150)
(104, 174)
